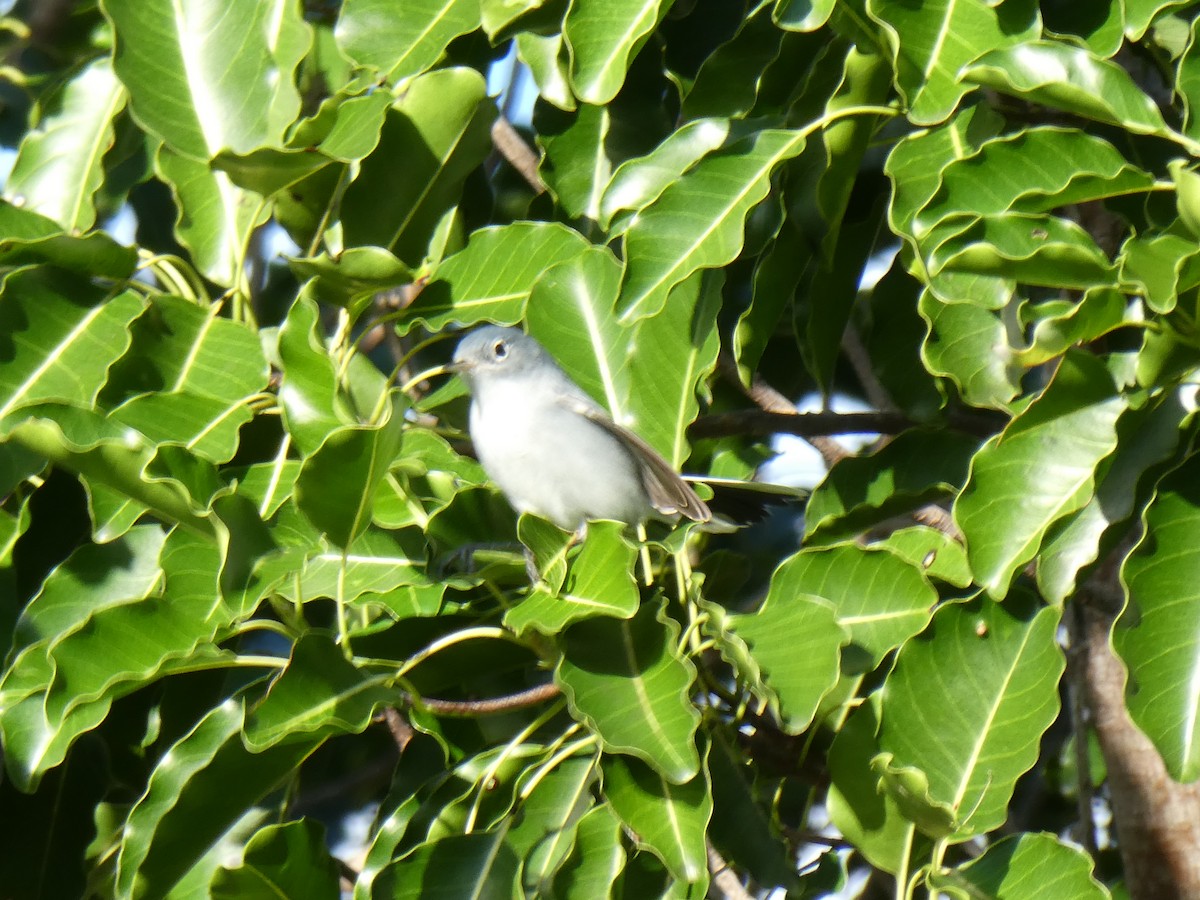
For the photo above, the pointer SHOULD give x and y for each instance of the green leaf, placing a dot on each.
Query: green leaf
(915, 467)
(877, 596)
(786, 652)
(968, 701)
(186, 88)
(1070, 79)
(336, 486)
(59, 336)
(309, 395)
(354, 277)
(871, 819)
(1158, 634)
(668, 819)
(491, 278)
(461, 865)
(1073, 167)
(969, 345)
(1057, 326)
(288, 860)
(697, 221)
(908, 787)
(402, 38)
(1160, 267)
(1025, 867)
(545, 830)
(937, 553)
(59, 166)
(436, 133)
(930, 46)
(318, 695)
(626, 681)
(639, 181)
(1146, 438)
(596, 859)
(220, 216)
(599, 582)
(1041, 468)
(199, 789)
(729, 80)
(603, 36)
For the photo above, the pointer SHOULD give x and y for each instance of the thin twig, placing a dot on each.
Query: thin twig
(508, 141)
(493, 705)
(723, 876)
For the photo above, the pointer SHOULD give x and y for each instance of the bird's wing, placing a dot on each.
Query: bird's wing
(668, 492)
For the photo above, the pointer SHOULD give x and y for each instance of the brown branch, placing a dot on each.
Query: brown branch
(508, 141)
(761, 423)
(724, 878)
(490, 707)
(1157, 819)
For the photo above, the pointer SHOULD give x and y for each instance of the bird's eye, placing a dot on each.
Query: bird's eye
(500, 350)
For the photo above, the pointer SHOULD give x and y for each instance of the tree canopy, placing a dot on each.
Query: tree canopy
(255, 588)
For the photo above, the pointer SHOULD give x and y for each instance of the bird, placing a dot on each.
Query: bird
(551, 449)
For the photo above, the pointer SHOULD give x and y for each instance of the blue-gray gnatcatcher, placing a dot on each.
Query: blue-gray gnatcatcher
(553, 450)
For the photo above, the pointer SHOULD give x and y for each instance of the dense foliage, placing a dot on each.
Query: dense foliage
(251, 582)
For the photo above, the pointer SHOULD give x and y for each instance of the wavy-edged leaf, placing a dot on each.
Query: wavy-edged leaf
(1025, 867)
(870, 818)
(932, 43)
(728, 81)
(968, 701)
(668, 819)
(1071, 79)
(598, 582)
(625, 679)
(639, 181)
(1033, 171)
(216, 217)
(1159, 267)
(402, 38)
(288, 860)
(786, 652)
(319, 694)
(938, 554)
(199, 789)
(58, 336)
(877, 596)
(491, 278)
(336, 486)
(1146, 437)
(596, 859)
(969, 345)
(434, 135)
(697, 221)
(207, 77)
(1059, 325)
(460, 865)
(603, 36)
(545, 830)
(1041, 468)
(916, 467)
(59, 166)
(1158, 634)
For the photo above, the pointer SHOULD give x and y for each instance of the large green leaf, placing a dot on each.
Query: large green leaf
(549, 815)
(401, 38)
(59, 167)
(318, 695)
(930, 45)
(1158, 635)
(603, 36)
(697, 221)
(881, 599)
(595, 860)
(59, 336)
(1040, 469)
(199, 789)
(786, 653)
(491, 278)
(435, 134)
(670, 819)
(1025, 867)
(625, 679)
(968, 701)
(1070, 79)
(205, 76)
